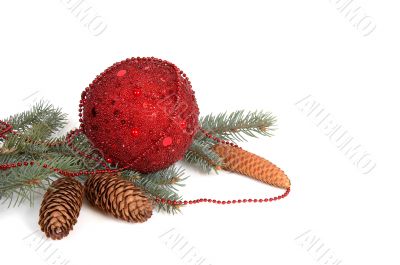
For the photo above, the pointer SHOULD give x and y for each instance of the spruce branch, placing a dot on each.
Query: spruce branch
(170, 177)
(238, 124)
(200, 154)
(81, 145)
(22, 183)
(162, 184)
(34, 128)
(44, 116)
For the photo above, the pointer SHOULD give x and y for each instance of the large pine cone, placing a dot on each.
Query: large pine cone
(243, 162)
(118, 197)
(60, 207)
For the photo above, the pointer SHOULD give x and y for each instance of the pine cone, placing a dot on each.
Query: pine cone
(118, 197)
(243, 162)
(60, 207)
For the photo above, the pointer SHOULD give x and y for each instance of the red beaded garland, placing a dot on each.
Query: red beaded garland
(74, 133)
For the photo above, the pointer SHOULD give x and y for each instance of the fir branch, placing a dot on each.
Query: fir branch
(170, 177)
(21, 143)
(22, 183)
(236, 125)
(201, 155)
(161, 184)
(42, 115)
(82, 143)
(34, 128)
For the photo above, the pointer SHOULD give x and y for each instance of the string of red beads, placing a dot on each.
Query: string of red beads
(222, 202)
(57, 170)
(7, 128)
(74, 133)
(218, 140)
(70, 139)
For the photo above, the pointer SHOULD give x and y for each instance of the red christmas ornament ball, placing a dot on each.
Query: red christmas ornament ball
(140, 113)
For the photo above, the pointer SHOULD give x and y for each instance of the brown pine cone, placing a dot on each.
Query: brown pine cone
(243, 162)
(118, 197)
(60, 207)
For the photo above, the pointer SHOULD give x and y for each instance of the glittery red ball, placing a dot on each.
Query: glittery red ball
(140, 113)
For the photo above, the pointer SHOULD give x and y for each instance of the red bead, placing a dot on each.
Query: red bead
(137, 92)
(135, 132)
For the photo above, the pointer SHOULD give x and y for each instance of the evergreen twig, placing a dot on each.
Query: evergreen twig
(42, 118)
(21, 183)
(238, 124)
(200, 153)
(161, 184)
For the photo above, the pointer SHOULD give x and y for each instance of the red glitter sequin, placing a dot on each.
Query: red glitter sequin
(167, 141)
(121, 73)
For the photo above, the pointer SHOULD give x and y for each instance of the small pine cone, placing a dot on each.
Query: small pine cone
(118, 197)
(60, 207)
(243, 162)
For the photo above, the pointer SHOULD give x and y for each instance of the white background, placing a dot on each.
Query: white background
(239, 55)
